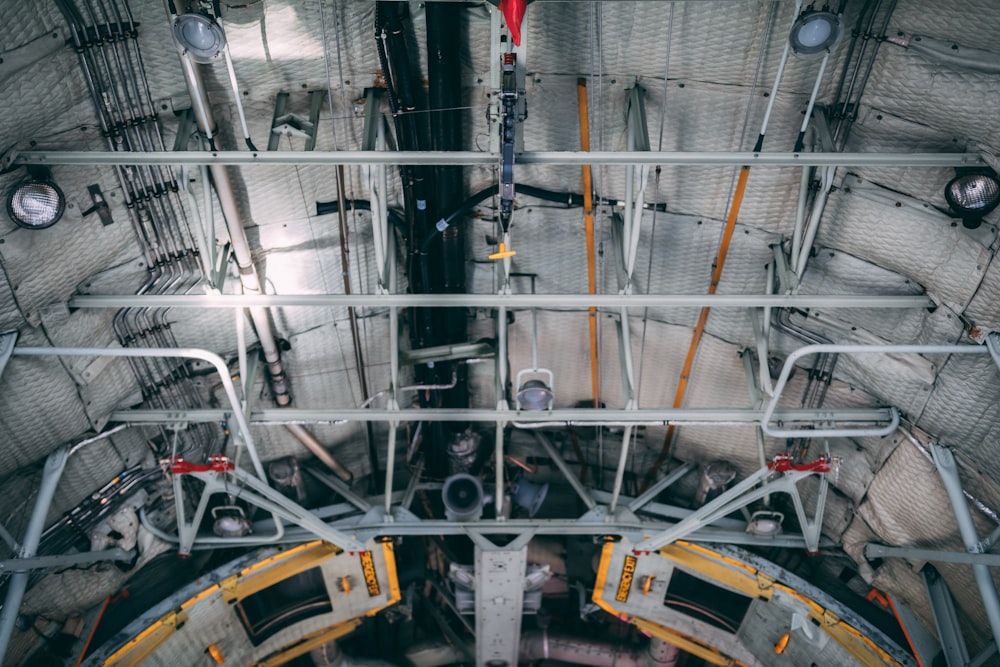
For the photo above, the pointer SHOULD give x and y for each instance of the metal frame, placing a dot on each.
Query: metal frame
(453, 158)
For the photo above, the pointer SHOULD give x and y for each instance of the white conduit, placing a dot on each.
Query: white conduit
(248, 273)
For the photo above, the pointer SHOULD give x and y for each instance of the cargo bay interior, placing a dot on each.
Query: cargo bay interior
(558, 332)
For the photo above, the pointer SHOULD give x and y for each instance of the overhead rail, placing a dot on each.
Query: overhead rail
(506, 300)
(578, 158)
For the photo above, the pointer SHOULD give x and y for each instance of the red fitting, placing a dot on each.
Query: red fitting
(216, 463)
(508, 59)
(783, 463)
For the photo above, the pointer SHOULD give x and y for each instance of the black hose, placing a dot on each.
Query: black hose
(327, 207)
(570, 199)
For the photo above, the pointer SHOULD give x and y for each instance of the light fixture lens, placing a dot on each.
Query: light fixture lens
(200, 37)
(36, 204)
(815, 33)
(765, 523)
(534, 395)
(973, 193)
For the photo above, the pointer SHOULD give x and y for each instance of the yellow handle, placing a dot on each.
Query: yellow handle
(503, 253)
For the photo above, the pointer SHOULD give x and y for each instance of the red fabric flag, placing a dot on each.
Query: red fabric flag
(513, 13)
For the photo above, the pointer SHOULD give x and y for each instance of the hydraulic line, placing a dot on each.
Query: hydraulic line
(359, 357)
(717, 266)
(588, 218)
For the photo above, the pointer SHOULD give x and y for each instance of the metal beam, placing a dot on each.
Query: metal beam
(946, 620)
(948, 470)
(679, 158)
(551, 301)
(574, 482)
(65, 560)
(561, 417)
(873, 550)
(18, 582)
(499, 600)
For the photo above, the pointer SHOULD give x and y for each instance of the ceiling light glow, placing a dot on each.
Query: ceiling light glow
(815, 32)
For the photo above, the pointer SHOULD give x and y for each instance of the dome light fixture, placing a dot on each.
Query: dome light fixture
(37, 202)
(765, 523)
(815, 32)
(972, 194)
(199, 37)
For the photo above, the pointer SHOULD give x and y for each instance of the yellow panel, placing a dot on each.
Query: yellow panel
(748, 580)
(689, 644)
(147, 641)
(308, 643)
(278, 568)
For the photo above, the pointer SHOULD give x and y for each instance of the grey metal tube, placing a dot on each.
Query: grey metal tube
(945, 462)
(564, 469)
(395, 158)
(248, 272)
(18, 583)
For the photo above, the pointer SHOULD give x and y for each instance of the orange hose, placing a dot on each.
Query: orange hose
(588, 216)
(699, 328)
(93, 630)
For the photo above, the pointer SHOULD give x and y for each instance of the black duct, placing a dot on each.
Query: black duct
(438, 266)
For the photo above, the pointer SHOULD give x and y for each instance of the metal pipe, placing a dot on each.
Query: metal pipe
(523, 301)
(150, 352)
(577, 158)
(248, 273)
(550, 450)
(526, 419)
(945, 462)
(18, 582)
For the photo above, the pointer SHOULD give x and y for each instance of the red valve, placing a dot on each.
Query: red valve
(783, 463)
(216, 463)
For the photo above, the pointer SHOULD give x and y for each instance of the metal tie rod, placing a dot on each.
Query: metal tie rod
(680, 158)
(552, 301)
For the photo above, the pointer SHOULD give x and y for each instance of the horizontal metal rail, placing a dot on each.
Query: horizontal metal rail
(577, 158)
(571, 417)
(786, 371)
(551, 301)
(874, 550)
(184, 352)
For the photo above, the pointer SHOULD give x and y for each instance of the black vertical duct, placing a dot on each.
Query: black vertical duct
(445, 39)
(429, 194)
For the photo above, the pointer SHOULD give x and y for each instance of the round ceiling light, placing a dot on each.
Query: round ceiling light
(815, 32)
(199, 37)
(972, 196)
(534, 395)
(36, 204)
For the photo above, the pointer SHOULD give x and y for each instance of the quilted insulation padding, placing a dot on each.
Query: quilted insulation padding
(726, 48)
(960, 410)
(906, 84)
(46, 266)
(921, 246)
(982, 311)
(37, 386)
(834, 272)
(897, 507)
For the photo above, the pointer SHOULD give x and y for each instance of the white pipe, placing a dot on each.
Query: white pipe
(248, 272)
(185, 352)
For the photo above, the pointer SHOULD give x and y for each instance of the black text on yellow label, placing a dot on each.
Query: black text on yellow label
(368, 570)
(628, 573)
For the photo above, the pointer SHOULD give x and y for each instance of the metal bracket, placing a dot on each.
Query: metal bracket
(293, 124)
